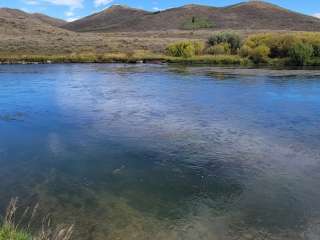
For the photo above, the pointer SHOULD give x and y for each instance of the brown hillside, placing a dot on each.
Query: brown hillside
(18, 23)
(49, 20)
(248, 15)
(22, 33)
(113, 18)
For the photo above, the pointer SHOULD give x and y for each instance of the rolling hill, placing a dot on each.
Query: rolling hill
(254, 15)
(17, 22)
(49, 20)
(126, 29)
(113, 18)
(23, 33)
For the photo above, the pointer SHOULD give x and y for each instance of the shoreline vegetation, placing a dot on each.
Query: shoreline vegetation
(17, 225)
(223, 48)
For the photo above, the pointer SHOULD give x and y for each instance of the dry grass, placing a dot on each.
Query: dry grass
(12, 225)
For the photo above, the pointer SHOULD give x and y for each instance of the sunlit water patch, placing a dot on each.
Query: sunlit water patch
(162, 152)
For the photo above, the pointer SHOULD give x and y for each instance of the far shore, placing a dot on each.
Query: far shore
(217, 60)
(211, 65)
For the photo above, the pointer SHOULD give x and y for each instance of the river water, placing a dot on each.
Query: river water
(162, 152)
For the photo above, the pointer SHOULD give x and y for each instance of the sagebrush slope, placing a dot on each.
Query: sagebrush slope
(248, 15)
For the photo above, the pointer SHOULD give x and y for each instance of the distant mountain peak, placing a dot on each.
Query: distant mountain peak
(119, 6)
(257, 4)
(192, 6)
(122, 7)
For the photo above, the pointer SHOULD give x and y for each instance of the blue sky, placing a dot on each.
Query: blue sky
(72, 9)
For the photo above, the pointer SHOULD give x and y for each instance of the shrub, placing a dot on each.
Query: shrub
(232, 39)
(280, 46)
(316, 49)
(300, 53)
(215, 39)
(185, 49)
(219, 49)
(245, 51)
(181, 49)
(198, 47)
(259, 54)
(281, 43)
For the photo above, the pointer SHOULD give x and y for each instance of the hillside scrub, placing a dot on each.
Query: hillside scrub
(196, 23)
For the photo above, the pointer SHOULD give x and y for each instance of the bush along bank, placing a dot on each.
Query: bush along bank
(290, 49)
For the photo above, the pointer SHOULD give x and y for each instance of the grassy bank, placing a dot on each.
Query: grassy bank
(15, 226)
(219, 60)
(123, 58)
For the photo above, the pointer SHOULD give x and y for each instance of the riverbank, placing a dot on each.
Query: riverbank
(218, 60)
(136, 57)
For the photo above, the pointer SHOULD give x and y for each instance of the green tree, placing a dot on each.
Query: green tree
(193, 23)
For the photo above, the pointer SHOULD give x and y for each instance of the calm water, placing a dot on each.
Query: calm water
(156, 152)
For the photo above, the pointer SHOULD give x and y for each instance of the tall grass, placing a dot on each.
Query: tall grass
(16, 227)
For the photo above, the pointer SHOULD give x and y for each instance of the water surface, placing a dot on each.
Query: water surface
(161, 152)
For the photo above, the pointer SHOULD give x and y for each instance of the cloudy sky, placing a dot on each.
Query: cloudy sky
(72, 9)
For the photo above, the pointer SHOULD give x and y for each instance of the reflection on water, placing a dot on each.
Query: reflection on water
(158, 152)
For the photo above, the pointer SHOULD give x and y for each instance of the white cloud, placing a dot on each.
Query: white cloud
(69, 3)
(157, 9)
(98, 3)
(69, 13)
(317, 15)
(71, 19)
(26, 10)
(31, 2)
(73, 4)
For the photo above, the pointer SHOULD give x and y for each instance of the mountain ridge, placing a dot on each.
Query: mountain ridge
(56, 22)
(253, 15)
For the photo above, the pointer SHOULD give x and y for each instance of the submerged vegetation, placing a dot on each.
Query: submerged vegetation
(275, 48)
(12, 227)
